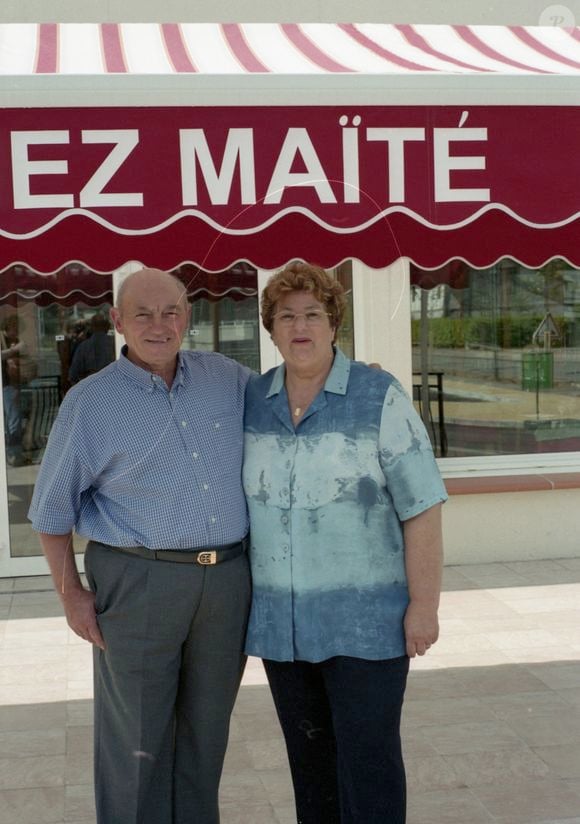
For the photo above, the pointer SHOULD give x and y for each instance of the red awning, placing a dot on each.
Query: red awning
(212, 185)
(77, 284)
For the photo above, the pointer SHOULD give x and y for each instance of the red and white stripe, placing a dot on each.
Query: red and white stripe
(291, 48)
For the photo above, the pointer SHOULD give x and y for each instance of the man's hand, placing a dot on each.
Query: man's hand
(79, 609)
(421, 628)
(78, 602)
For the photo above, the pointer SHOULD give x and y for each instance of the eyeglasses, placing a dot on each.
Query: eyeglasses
(314, 317)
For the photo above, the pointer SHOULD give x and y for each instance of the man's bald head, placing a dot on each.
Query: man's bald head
(144, 280)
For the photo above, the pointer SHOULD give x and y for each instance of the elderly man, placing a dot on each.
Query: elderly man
(144, 460)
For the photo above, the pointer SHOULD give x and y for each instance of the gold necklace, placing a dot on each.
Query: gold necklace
(297, 411)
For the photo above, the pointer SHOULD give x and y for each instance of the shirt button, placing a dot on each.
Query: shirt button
(195, 455)
(184, 424)
(213, 520)
(217, 425)
(284, 519)
(205, 486)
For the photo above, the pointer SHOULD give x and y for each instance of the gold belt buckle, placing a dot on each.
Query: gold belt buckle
(207, 558)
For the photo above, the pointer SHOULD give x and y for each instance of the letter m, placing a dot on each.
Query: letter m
(195, 151)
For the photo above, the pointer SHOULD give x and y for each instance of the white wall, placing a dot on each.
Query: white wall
(505, 12)
(512, 526)
(382, 325)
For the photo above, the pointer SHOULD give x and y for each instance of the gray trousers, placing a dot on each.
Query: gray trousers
(166, 684)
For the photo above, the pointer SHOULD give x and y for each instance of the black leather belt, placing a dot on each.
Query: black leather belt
(203, 557)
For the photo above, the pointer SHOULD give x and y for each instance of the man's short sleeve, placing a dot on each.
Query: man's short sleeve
(63, 476)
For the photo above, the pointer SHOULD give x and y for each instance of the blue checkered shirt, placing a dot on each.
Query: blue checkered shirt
(131, 462)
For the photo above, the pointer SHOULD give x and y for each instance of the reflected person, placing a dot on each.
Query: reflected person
(15, 372)
(95, 352)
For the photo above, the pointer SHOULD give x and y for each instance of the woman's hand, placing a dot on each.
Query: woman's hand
(424, 563)
(421, 628)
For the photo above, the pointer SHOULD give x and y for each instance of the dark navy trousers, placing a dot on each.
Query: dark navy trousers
(341, 722)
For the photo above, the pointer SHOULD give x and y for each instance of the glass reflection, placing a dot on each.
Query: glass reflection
(497, 352)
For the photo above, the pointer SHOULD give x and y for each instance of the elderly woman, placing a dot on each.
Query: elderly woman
(344, 498)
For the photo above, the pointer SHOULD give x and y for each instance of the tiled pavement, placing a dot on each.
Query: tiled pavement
(491, 726)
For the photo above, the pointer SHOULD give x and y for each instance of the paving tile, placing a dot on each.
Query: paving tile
(570, 696)
(543, 604)
(21, 626)
(562, 759)
(518, 639)
(79, 767)
(541, 572)
(473, 604)
(560, 675)
(79, 803)
(14, 655)
(32, 583)
(527, 802)
(278, 786)
(32, 771)
(550, 729)
(241, 785)
(470, 737)
(432, 772)
(454, 579)
(36, 805)
(500, 680)
(79, 713)
(415, 744)
(79, 739)
(440, 684)
(497, 767)
(492, 575)
(491, 657)
(543, 655)
(34, 639)
(32, 693)
(237, 757)
(33, 717)
(19, 743)
(38, 598)
(524, 704)
(267, 754)
(467, 642)
(285, 813)
(247, 813)
(40, 673)
(259, 725)
(445, 710)
(450, 806)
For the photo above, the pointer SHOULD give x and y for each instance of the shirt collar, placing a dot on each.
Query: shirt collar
(147, 379)
(336, 381)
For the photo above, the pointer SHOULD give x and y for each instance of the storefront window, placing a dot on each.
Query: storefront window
(43, 321)
(224, 312)
(497, 352)
(345, 336)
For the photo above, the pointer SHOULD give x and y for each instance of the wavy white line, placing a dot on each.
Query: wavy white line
(228, 230)
(575, 264)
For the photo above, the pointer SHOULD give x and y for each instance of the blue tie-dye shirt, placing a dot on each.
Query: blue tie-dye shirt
(327, 501)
